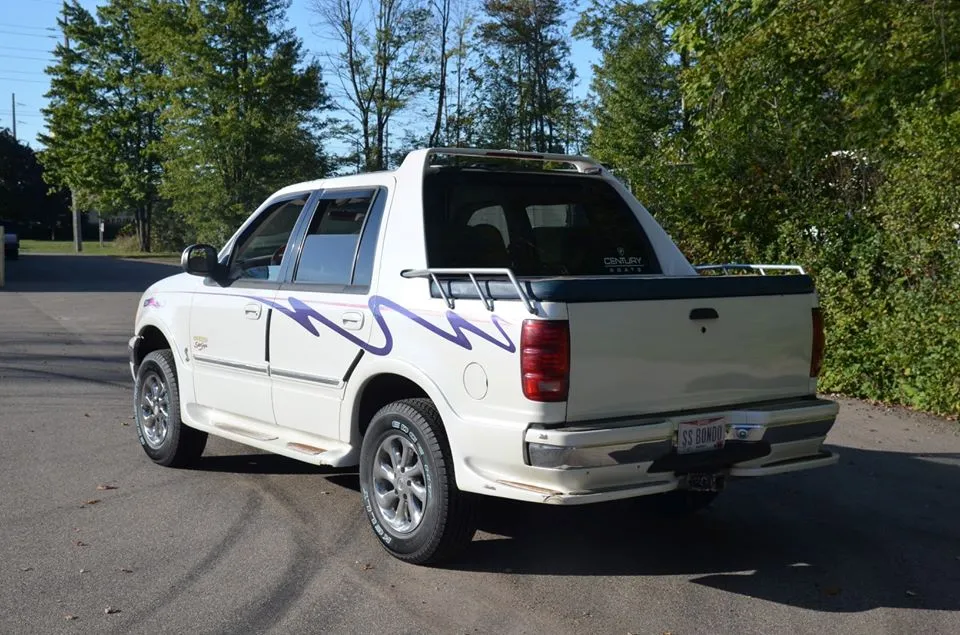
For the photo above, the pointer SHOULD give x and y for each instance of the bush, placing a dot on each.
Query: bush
(126, 240)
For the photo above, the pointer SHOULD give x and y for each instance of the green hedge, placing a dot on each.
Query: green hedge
(897, 345)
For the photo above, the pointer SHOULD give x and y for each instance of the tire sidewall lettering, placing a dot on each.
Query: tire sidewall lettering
(374, 521)
(138, 387)
(411, 433)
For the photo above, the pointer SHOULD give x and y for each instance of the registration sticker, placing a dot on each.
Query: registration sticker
(701, 435)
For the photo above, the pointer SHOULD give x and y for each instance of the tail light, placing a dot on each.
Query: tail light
(819, 343)
(545, 359)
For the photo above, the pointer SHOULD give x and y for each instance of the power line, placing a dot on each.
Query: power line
(23, 57)
(24, 26)
(50, 37)
(17, 80)
(20, 48)
(7, 71)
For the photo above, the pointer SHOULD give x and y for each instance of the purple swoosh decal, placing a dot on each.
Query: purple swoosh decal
(305, 316)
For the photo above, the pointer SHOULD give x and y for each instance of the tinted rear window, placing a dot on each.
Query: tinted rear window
(535, 224)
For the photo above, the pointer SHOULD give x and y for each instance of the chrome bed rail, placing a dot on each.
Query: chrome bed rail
(434, 276)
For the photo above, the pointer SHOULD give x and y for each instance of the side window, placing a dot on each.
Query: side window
(259, 252)
(331, 244)
(363, 269)
(492, 216)
(556, 216)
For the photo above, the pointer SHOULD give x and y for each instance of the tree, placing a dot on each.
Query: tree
(819, 133)
(380, 65)
(442, 13)
(636, 99)
(458, 119)
(24, 197)
(242, 109)
(525, 74)
(102, 116)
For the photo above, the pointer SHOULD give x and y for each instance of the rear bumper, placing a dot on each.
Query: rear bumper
(586, 463)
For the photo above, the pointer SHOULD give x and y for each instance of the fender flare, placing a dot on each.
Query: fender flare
(167, 334)
(365, 372)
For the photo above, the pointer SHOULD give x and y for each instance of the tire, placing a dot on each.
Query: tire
(447, 516)
(13, 254)
(165, 439)
(681, 503)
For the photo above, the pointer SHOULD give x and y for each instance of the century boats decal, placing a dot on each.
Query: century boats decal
(305, 316)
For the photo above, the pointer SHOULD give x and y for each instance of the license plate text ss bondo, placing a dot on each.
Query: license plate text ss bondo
(701, 435)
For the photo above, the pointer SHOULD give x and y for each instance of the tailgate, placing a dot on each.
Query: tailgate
(662, 355)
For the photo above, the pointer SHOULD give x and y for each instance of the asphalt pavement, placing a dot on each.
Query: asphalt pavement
(95, 538)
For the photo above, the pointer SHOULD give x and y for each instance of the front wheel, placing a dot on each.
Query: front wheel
(408, 488)
(161, 431)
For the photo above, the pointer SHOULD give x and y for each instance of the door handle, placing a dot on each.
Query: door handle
(352, 320)
(706, 313)
(252, 311)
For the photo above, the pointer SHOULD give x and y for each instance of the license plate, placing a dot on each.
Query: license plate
(701, 435)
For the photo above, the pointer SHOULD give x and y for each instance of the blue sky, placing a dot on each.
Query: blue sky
(28, 33)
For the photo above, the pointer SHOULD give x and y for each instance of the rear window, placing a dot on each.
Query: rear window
(535, 224)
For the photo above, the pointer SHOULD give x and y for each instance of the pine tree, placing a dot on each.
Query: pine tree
(525, 75)
(636, 110)
(102, 116)
(243, 109)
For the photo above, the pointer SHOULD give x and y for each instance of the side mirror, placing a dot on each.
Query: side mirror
(200, 260)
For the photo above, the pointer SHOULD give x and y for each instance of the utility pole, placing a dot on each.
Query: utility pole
(74, 208)
(13, 107)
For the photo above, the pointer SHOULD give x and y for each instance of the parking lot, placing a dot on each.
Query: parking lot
(96, 538)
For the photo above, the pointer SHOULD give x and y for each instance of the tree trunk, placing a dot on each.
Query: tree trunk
(148, 229)
(442, 89)
(143, 227)
(685, 117)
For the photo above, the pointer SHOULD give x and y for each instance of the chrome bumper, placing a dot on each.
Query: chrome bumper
(761, 440)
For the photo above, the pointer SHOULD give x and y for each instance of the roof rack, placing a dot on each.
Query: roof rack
(433, 274)
(421, 158)
(725, 268)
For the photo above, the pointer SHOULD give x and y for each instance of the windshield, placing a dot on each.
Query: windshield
(538, 224)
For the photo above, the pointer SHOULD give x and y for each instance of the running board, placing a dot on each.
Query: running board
(244, 432)
(306, 449)
(296, 444)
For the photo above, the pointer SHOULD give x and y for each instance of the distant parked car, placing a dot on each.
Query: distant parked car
(11, 241)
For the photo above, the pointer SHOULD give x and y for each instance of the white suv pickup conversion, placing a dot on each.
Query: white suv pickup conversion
(481, 322)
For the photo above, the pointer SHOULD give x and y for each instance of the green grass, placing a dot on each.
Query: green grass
(90, 248)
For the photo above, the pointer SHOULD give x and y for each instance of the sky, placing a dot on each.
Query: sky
(28, 34)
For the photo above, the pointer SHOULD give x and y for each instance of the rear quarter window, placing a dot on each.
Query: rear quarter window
(536, 224)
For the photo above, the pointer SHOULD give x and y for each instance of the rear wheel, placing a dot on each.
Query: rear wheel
(408, 487)
(13, 254)
(161, 431)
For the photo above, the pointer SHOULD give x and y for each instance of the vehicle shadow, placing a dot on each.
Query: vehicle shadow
(256, 463)
(64, 273)
(881, 529)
